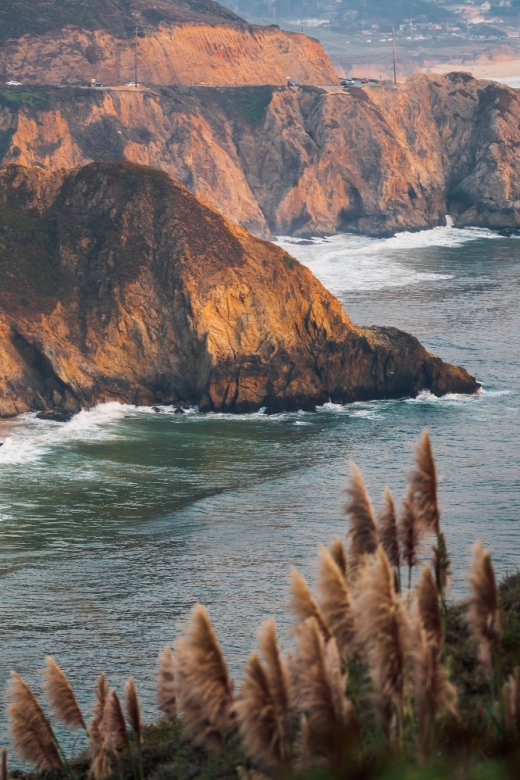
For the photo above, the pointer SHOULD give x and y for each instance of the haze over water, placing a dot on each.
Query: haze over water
(114, 524)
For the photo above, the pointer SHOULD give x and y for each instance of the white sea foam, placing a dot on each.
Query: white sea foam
(349, 262)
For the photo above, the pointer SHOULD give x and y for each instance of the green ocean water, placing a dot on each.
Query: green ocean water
(113, 525)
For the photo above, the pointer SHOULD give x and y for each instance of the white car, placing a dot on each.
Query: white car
(132, 84)
(13, 83)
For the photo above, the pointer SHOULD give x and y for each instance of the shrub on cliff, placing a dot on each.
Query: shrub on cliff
(384, 680)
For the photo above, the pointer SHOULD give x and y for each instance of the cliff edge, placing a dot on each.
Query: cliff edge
(118, 284)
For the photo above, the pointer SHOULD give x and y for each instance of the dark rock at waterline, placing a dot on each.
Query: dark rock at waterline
(56, 415)
(127, 288)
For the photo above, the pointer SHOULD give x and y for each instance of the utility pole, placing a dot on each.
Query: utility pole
(395, 56)
(135, 55)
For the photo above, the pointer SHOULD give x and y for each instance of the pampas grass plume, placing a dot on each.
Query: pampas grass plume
(31, 732)
(133, 710)
(363, 530)
(388, 533)
(335, 602)
(303, 603)
(276, 669)
(483, 616)
(61, 696)
(100, 765)
(423, 484)
(511, 694)
(102, 692)
(166, 695)
(409, 534)
(339, 555)
(3, 767)
(204, 690)
(113, 727)
(429, 608)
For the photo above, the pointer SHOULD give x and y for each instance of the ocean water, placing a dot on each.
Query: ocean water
(113, 525)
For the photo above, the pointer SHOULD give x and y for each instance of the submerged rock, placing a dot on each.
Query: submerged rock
(119, 285)
(56, 415)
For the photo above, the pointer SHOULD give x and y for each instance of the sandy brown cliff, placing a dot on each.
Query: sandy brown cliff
(119, 285)
(296, 160)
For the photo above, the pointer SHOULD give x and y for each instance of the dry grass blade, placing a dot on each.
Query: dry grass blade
(409, 534)
(363, 531)
(384, 634)
(204, 690)
(483, 616)
(61, 696)
(133, 710)
(423, 484)
(339, 555)
(303, 603)
(511, 693)
(99, 762)
(263, 725)
(113, 726)
(31, 732)
(335, 602)
(319, 692)
(429, 608)
(275, 666)
(166, 695)
(388, 533)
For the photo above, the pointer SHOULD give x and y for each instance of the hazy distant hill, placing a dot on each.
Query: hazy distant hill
(18, 17)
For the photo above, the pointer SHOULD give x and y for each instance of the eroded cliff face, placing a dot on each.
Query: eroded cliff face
(187, 53)
(118, 284)
(294, 160)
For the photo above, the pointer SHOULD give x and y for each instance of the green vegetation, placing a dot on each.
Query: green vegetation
(246, 103)
(385, 680)
(290, 262)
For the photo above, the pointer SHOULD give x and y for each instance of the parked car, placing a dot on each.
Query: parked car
(293, 83)
(132, 84)
(13, 83)
(364, 81)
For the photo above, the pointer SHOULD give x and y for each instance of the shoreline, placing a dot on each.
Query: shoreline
(494, 71)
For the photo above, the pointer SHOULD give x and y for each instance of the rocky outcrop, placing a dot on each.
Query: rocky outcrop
(118, 284)
(291, 160)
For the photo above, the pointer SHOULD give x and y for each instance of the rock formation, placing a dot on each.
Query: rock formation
(178, 42)
(118, 284)
(291, 160)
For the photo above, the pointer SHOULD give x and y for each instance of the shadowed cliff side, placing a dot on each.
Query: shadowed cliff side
(120, 285)
(297, 161)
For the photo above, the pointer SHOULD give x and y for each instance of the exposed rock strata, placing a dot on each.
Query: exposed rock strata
(297, 160)
(119, 285)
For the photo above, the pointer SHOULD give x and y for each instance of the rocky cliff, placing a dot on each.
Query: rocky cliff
(178, 42)
(291, 160)
(118, 284)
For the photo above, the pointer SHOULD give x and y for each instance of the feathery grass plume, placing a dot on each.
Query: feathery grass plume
(409, 535)
(276, 669)
(339, 555)
(441, 565)
(363, 530)
(99, 763)
(304, 604)
(33, 738)
(61, 696)
(483, 616)
(319, 692)
(335, 602)
(3, 765)
(423, 484)
(204, 690)
(102, 693)
(166, 696)
(435, 695)
(133, 710)
(383, 631)
(429, 609)
(263, 726)
(388, 534)
(113, 726)
(511, 694)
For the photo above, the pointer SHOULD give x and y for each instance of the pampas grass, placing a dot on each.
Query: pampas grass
(339, 556)
(483, 615)
(511, 694)
(423, 485)
(166, 696)
(429, 609)
(31, 732)
(303, 603)
(204, 689)
(409, 535)
(102, 693)
(363, 531)
(319, 691)
(388, 533)
(383, 630)
(3, 765)
(335, 602)
(276, 669)
(61, 696)
(99, 763)
(113, 726)
(133, 709)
